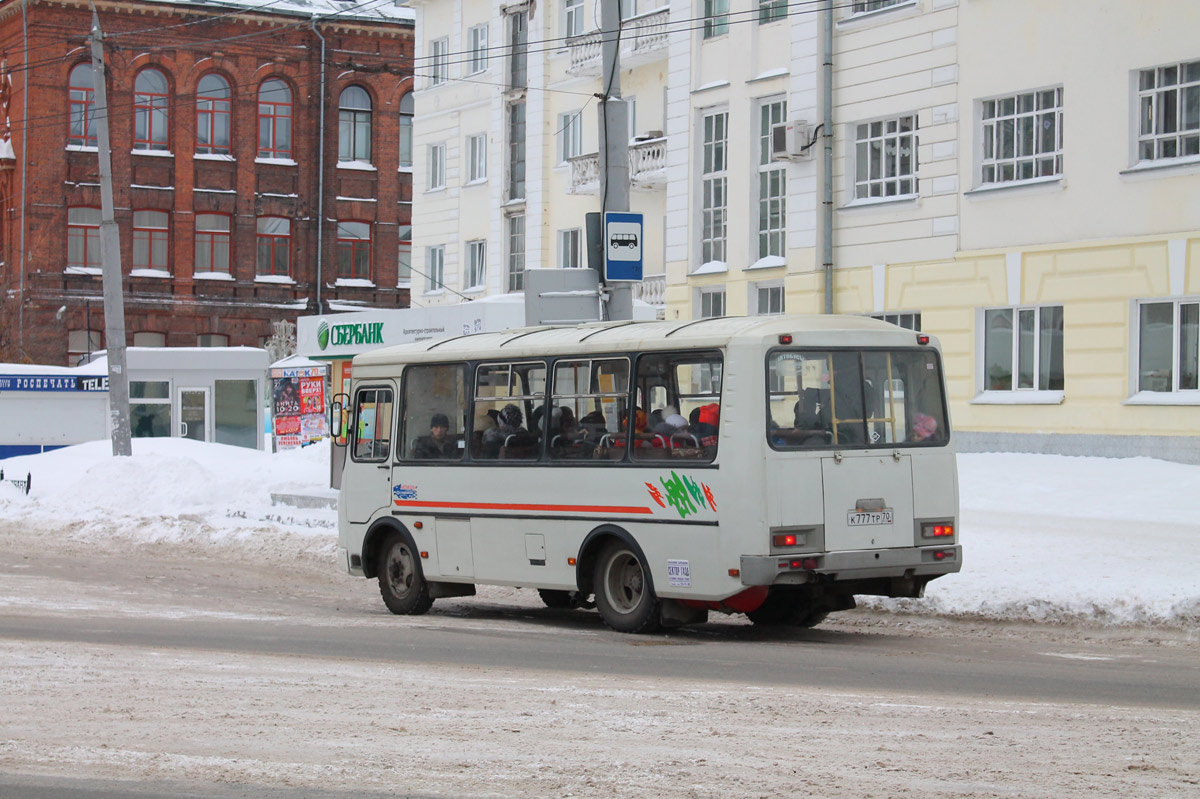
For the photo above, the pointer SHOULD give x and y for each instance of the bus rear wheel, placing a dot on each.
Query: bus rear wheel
(624, 597)
(401, 581)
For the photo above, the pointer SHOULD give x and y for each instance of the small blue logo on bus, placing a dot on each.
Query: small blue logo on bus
(404, 492)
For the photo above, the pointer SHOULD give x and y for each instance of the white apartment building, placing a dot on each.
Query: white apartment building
(1020, 178)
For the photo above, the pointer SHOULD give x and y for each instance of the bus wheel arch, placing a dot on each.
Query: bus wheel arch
(621, 580)
(373, 541)
(402, 582)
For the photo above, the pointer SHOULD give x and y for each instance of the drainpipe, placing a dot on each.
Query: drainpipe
(320, 172)
(24, 176)
(827, 167)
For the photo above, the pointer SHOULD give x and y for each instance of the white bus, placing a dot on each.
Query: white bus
(773, 465)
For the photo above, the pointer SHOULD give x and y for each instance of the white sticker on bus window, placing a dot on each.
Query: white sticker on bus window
(679, 573)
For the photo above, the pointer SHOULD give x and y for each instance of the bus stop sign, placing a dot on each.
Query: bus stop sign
(622, 247)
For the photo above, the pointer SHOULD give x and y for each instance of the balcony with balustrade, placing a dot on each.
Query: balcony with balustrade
(647, 167)
(643, 41)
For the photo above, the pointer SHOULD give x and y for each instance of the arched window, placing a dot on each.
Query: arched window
(354, 250)
(151, 103)
(274, 246)
(82, 114)
(406, 130)
(213, 115)
(354, 125)
(274, 119)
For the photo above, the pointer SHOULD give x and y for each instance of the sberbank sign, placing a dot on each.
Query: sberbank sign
(357, 334)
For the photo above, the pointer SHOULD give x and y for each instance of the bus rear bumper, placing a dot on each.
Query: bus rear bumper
(863, 564)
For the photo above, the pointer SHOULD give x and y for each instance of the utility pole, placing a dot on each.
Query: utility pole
(110, 260)
(614, 143)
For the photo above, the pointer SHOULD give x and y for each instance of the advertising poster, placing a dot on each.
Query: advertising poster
(298, 405)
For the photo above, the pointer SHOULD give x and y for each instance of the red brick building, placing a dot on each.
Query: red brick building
(234, 211)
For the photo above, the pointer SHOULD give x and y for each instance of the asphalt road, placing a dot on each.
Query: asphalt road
(250, 609)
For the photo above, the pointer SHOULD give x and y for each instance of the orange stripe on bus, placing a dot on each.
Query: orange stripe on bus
(416, 503)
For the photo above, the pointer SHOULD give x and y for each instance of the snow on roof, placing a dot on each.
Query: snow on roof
(370, 10)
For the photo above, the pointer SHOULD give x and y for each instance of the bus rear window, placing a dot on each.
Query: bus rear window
(848, 398)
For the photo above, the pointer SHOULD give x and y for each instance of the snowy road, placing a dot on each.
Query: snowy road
(202, 668)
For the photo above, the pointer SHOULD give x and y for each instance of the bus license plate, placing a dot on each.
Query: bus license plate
(864, 518)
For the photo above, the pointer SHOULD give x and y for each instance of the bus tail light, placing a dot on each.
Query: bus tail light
(944, 554)
(784, 539)
(799, 564)
(785, 338)
(922, 339)
(937, 530)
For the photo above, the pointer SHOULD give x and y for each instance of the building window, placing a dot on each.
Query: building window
(274, 247)
(81, 129)
(1169, 111)
(1022, 136)
(1023, 348)
(712, 303)
(478, 36)
(148, 339)
(274, 120)
(213, 107)
(404, 258)
(151, 104)
(406, 130)
(212, 340)
(570, 135)
(518, 49)
(772, 185)
(908, 321)
(516, 252)
(81, 344)
(437, 166)
(439, 61)
(150, 233)
(516, 151)
(212, 243)
(477, 155)
(863, 6)
(354, 125)
(570, 248)
(476, 264)
(716, 18)
(769, 299)
(354, 250)
(572, 17)
(435, 268)
(713, 187)
(83, 238)
(1169, 345)
(885, 158)
(771, 10)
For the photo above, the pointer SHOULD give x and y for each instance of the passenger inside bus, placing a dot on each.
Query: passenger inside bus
(437, 445)
(509, 439)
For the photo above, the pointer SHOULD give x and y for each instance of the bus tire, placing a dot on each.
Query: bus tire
(401, 581)
(624, 595)
(559, 600)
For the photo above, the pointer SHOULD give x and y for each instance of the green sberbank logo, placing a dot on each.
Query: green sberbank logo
(358, 333)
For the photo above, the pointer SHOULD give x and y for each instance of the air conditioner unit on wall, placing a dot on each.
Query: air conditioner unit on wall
(790, 141)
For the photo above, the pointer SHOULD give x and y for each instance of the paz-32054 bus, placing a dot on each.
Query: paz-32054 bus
(774, 466)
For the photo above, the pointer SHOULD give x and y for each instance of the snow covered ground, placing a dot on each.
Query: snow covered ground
(1046, 538)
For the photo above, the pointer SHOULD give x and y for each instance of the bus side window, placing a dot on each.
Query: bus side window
(373, 424)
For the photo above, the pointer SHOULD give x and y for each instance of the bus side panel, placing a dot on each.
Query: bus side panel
(935, 484)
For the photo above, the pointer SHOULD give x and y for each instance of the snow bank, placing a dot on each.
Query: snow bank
(1046, 538)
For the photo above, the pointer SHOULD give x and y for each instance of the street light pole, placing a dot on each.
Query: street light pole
(110, 260)
(614, 144)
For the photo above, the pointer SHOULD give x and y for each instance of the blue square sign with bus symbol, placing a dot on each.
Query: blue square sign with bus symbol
(622, 246)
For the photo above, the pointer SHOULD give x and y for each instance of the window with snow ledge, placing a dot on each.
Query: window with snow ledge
(275, 161)
(213, 157)
(768, 262)
(1167, 350)
(285, 279)
(212, 276)
(1022, 355)
(354, 282)
(158, 273)
(711, 268)
(362, 166)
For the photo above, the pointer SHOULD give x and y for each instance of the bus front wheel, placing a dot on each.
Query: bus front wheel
(624, 597)
(401, 581)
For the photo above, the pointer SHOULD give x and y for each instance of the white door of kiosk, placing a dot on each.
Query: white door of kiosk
(195, 414)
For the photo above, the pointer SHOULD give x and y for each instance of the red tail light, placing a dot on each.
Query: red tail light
(784, 540)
